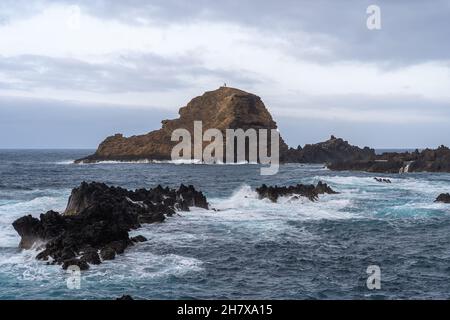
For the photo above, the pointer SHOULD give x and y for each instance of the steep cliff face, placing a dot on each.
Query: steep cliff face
(224, 108)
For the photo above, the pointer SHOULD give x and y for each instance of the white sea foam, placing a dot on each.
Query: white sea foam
(139, 264)
(13, 210)
(415, 184)
(33, 207)
(64, 162)
(25, 267)
(243, 209)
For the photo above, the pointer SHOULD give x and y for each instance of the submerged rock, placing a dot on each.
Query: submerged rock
(443, 197)
(97, 220)
(309, 191)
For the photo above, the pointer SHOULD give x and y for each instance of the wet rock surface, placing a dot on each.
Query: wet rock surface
(311, 192)
(96, 222)
(443, 197)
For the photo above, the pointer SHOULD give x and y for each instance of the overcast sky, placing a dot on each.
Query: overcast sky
(73, 72)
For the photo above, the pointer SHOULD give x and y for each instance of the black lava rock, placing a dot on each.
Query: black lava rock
(310, 191)
(444, 197)
(98, 219)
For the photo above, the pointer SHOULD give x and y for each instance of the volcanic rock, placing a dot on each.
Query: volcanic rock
(309, 191)
(97, 220)
(444, 197)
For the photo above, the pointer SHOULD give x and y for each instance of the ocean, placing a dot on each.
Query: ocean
(249, 248)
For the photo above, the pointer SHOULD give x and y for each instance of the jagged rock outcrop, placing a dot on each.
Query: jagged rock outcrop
(332, 150)
(97, 220)
(428, 160)
(309, 191)
(224, 108)
(443, 197)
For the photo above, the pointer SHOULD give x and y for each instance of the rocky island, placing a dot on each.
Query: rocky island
(224, 108)
(231, 108)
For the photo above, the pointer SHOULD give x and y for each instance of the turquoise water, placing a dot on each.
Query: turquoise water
(250, 248)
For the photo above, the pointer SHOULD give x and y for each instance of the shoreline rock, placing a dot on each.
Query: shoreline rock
(96, 222)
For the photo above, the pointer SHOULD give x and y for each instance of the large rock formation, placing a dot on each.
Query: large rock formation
(230, 108)
(224, 108)
(97, 220)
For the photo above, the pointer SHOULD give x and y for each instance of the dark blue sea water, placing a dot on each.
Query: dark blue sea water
(250, 249)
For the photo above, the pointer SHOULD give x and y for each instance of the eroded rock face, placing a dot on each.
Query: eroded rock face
(224, 108)
(443, 197)
(309, 191)
(97, 220)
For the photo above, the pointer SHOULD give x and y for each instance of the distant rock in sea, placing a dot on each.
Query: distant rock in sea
(332, 150)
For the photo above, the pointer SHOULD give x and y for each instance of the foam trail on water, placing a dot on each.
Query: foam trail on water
(144, 265)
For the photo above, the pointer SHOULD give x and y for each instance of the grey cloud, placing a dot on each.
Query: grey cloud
(127, 73)
(412, 31)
